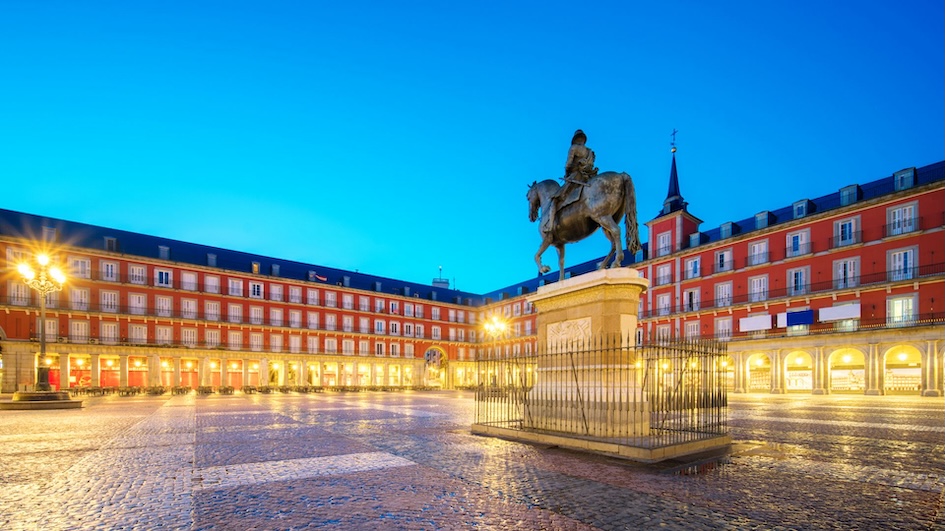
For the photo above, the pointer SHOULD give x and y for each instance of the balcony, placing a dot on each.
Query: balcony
(721, 267)
(756, 259)
(904, 226)
(852, 238)
(798, 250)
(663, 280)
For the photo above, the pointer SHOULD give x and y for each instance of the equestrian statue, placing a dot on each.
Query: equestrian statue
(587, 200)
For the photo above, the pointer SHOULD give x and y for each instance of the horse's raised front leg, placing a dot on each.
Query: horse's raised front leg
(542, 269)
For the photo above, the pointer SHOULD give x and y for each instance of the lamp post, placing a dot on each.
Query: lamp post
(495, 326)
(47, 280)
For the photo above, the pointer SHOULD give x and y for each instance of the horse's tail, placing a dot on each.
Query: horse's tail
(630, 215)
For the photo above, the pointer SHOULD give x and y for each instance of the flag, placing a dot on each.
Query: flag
(319, 277)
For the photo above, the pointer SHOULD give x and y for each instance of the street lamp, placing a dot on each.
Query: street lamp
(47, 280)
(495, 326)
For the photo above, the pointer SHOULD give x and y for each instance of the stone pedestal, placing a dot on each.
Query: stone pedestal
(586, 381)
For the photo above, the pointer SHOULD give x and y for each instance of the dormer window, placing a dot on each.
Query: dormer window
(849, 195)
(904, 179)
(761, 219)
(725, 230)
(800, 209)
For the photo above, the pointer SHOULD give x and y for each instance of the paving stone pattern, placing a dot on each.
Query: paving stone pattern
(407, 461)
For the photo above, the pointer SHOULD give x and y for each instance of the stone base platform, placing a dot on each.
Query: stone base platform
(615, 449)
(35, 400)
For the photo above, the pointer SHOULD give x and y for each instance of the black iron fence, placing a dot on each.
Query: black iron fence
(647, 396)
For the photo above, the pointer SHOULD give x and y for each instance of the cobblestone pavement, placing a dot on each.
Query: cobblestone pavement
(407, 461)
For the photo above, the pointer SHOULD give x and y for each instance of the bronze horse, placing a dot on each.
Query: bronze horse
(607, 197)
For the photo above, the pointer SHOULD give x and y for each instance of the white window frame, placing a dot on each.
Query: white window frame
(902, 219)
(846, 272)
(758, 288)
(693, 268)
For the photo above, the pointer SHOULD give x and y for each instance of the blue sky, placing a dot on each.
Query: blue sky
(397, 137)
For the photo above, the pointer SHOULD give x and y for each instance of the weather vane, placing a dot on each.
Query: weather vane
(673, 143)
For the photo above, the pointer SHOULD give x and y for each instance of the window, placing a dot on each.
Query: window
(211, 338)
(211, 311)
(419, 311)
(347, 347)
(761, 219)
(758, 288)
(364, 347)
(723, 328)
(725, 229)
(188, 281)
(20, 293)
(845, 273)
(235, 313)
(845, 232)
(435, 313)
(164, 252)
(211, 260)
(254, 268)
(664, 244)
(331, 345)
(108, 333)
(137, 303)
(256, 315)
(137, 274)
(331, 299)
(902, 265)
(903, 179)
(528, 331)
(395, 307)
(723, 294)
(275, 342)
(163, 335)
(256, 341)
(691, 300)
(163, 306)
(311, 344)
(394, 328)
(364, 303)
(79, 331)
(163, 278)
(693, 268)
(723, 261)
(79, 299)
(758, 253)
(663, 304)
(275, 292)
(435, 332)
(797, 281)
(408, 330)
(418, 330)
(378, 349)
(188, 308)
(797, 243)
(800, 209)
(109, 271)
(255, 290)
(111, 244)
(451, 333)
(461, 315)
(81, 267)
(364, 325)
(312, 297)
(901, 220)
(664, 274)
(211, 284)
(692, 330)
(295, 294)
(275, 316)
(188, 337)
(331, 321)
(849, 195)
(379, 326)
(312, 321)
(451, 316)
(900, 311)
(138, 334)
(235, 287)
(295, 344)
(664, 332)
(347, 301)
(295, 318)
(109, 301)
(347, 323)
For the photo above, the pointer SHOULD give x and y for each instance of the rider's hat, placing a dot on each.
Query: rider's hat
(579, 135)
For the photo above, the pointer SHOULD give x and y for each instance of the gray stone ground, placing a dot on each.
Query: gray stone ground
(407, 461)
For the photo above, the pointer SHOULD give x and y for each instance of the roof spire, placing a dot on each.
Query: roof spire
(674, 200)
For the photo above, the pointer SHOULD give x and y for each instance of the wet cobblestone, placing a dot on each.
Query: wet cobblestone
(408, 461)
